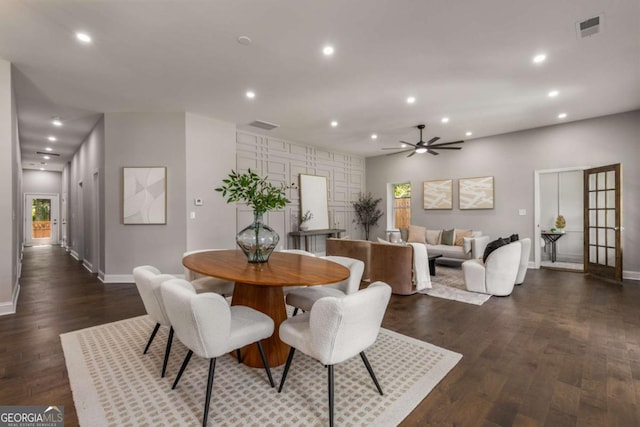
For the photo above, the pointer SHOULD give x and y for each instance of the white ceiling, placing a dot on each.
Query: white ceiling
(470, 61)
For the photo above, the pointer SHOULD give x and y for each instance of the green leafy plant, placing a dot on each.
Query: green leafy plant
(261, 195)
(367, 212)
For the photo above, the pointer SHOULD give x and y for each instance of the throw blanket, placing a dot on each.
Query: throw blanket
(421, 266)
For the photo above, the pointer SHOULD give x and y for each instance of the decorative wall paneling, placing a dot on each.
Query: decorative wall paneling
(283, 162)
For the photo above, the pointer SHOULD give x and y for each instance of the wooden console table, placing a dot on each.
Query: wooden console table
(308, 234)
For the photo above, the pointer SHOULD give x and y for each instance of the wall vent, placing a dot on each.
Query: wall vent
(590, 27)
(263, 125)
(47, 153)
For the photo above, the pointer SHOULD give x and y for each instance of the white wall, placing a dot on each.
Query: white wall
(36, 181)
(512, 159)
(210, 155)
(283, 162)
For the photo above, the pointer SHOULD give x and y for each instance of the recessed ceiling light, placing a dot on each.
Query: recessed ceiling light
(411, 100)
(445, 120)
(244, 40)
(49, 149)
(41, 169)
(540, 58)
(421, 150)
(47, 157)
(403, 145)
(469, 133)
(52, 138)
(562, 115)
(374, 136)
(83, 37)
(553, 93)
(328, 50)
(250, 94)
(334, 123)
(56, 122)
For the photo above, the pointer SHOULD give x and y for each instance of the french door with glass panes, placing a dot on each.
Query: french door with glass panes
(603, 221)
(41, 219)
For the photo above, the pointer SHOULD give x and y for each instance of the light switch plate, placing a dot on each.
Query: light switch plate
(522, 212)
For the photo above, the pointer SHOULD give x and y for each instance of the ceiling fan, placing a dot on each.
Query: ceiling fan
(425, 147)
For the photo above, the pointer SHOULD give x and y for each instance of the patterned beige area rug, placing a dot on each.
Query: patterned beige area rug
(448, 283)
(114, 384)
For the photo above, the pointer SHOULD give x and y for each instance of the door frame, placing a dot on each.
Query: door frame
(55, 221)
(537, 256)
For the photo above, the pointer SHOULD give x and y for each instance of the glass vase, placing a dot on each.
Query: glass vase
(258, 240)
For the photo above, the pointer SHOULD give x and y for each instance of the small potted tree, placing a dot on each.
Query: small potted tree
(367, 212)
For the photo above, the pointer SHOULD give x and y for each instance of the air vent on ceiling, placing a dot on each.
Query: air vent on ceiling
(47, 154)
(263, 125)
(590, 27)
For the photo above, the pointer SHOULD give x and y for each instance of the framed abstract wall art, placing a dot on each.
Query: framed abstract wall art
(475, 193)
(144, 195)
(438, 194)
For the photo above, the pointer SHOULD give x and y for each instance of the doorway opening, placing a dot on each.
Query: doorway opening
(41, 219)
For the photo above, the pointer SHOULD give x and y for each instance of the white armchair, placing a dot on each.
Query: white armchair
(207, 326)
(304, 298)
(202, 283)
(148, 280)
(337, 329)
(497, 275)
(524, 260)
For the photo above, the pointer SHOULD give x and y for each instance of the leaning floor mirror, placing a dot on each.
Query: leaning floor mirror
(313, 198)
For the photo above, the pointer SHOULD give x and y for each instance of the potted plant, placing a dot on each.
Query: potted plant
(258, 240)
(560, 222)
(367, 212)
(306, 217)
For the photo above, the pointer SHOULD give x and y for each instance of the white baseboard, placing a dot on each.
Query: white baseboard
(87, 265)
(74, 254)
(10, 307)
(101, 275)
(631, 275)
(117, 278)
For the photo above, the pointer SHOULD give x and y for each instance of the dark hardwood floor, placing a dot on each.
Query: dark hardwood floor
(562, 350)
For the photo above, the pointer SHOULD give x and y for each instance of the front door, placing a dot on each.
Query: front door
(41, 219)
(603, 221)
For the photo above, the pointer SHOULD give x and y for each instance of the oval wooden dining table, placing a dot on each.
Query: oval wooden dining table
(259, 286)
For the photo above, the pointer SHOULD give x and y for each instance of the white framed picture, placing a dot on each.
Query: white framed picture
(144, 195)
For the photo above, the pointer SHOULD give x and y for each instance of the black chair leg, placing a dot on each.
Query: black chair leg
(330, 369)
(167, 351)
(295, 311)
(212, 369)
(182, 368)
(373, 376)
(286, 368)
(265, 362)
(238, 355)
(153, 335)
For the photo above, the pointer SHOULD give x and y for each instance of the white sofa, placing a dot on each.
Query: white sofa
(471, 243)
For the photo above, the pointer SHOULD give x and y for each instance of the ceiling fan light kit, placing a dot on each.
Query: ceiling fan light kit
(422, 147)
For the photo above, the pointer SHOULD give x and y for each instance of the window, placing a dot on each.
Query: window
(401, 205)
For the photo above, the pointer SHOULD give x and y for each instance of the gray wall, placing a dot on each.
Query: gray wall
(210, 155)
(512, 159)
(144, 139)
(10, 194)
(36, 181)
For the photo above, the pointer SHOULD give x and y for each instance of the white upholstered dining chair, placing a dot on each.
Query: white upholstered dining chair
(337, 329)
(148, 280)
(202, 283)
(304, 298)
(209, 327)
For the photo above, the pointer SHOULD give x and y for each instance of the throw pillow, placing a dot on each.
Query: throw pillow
(514, 237)
(466, 244)
(460, 235)
(416, 234)
(492, 246)
(433, 237)
(447, 237)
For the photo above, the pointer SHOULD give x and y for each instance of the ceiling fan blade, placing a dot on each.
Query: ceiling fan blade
(432, 152)
(446, 143)
(432, 140)
(445, 148)
(408, 143)
(400, 152)
(412, 154)
(392, 148)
